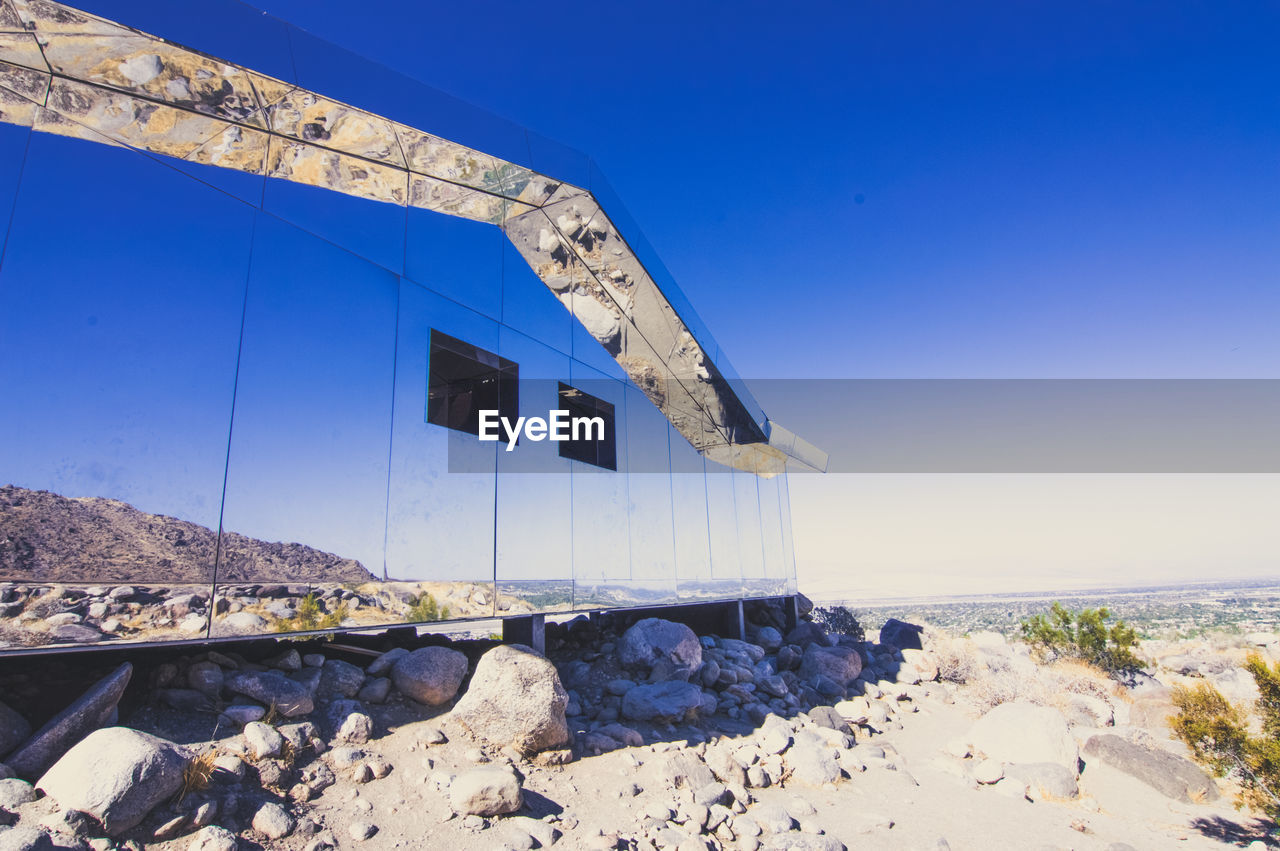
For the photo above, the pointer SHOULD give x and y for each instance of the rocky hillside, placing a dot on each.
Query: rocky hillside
(45, 537)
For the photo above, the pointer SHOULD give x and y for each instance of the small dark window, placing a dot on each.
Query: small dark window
(464, 380)
(591, 447)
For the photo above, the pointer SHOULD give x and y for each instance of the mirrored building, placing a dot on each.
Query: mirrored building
(256, 296)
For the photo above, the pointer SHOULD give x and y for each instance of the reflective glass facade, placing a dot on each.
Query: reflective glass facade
(239, 277)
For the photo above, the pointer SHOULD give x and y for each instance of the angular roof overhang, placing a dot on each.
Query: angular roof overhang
(70, 73)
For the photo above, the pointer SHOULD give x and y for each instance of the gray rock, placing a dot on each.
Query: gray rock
(244, 713)
(273, 821)
(340, 679)
(1045, 780)
(807, 633)
(375, 691)
(213, 838)
(1024, 733)
(802, 842)
(117, 775)
(290, 697)
(430, 675)
(25, 839)
(772, 818)
(902, 635)
(14, 729)
(812, 765)
(654, 640)
(361, 830)
(89, 712)
(14, 793)
(75, 633)
(769, 638)
(515, 698)
(668, 702)
(383, 663)
(485, 792)
(263, 740)
(682, 770)
(839, 664)
(356, 728)
(1169, 774)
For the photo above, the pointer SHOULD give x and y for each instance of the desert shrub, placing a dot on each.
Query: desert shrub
(1220, 737)
(1062, 633)
(840, 620)
(957, 660)
(310, 615)
(197, 773)
(423, 608)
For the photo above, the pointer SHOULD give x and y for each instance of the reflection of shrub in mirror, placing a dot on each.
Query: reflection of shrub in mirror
(311, 615)
(423, 609)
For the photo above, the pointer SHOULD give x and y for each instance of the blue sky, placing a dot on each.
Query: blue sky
(930, 190)
(921, 189)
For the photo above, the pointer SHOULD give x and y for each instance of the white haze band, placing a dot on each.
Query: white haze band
(559, 426)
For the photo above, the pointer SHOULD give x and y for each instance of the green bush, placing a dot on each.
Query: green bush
(310, 615)
(840, 620)
(423, 608)
(1219, 736)
(1084, 635)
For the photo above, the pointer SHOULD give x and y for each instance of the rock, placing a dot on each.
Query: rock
(430, 675)
(990, 771)
(206, 678)
(830, 718)
(356, 728)
(290, 697)
(680, 770)
(290, 660)
(807, 633)
(383, 663)
(1045, 780)
(263, 740)
(273, 821)
(1152, 713)
(1169, 774)
(376, 690)
(361, 830)
(812, 765)
(652, 640)
(921, 663)
(75, 633)
(14, 729)
(772, 818)
(14, 793)
(1024, 733)
(515, 698)
(485, 792)
(117, 775)
(802, 842)
(213, 838)
(69, 726)
(769, 638)
(243, 622)
(663, 703)
(839, 664)
(25, 839)
(901, 635)
(244, 713)
(340, 679)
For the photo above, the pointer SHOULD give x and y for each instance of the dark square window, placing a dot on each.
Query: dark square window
(464, 380)
(590, 447)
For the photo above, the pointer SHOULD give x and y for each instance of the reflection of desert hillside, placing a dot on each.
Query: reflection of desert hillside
(45, 537)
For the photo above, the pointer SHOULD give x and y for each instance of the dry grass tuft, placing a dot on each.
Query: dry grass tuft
(197, 774)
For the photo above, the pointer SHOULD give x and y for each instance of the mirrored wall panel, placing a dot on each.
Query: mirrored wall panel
(289, 339)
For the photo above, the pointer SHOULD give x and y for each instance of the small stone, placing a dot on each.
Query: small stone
(245, 713)
(356, 728)
(263, 740)
(272, 821)
(361, 830)
(213, 838)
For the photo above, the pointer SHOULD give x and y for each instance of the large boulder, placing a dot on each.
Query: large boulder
(290, 697)
(485, 792)
(806, 633)
(902, 635)
(667, 702)
(839, 664)
(1045, 780)
(1169, 774)
(515, 698)
(654, 640)
(14, 729)
(86, 714)
(117, 775)
(1025, 733)
(430, 675)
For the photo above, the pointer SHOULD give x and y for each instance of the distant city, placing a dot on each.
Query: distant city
(1161, 611)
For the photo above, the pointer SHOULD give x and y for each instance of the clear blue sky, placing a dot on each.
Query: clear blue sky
(909, 189)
